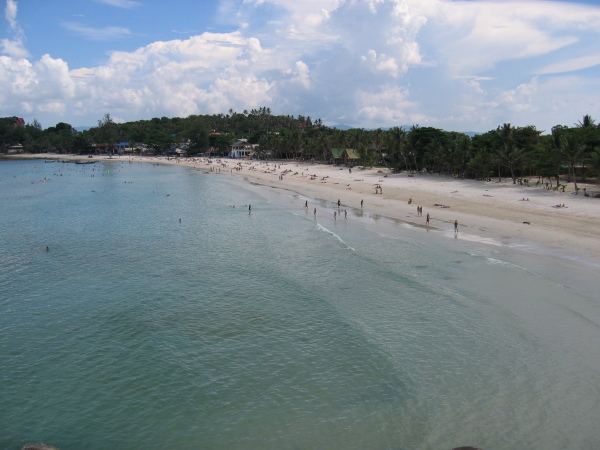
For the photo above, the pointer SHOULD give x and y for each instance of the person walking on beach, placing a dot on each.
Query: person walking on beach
(339, 203)
(306, 204)
(427, 220)
(361, 203)
(249, 208)
(315, 213)
(455, 228)
(335, 215)
(345, 214)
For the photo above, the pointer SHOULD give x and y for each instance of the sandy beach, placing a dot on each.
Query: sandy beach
(497, 213)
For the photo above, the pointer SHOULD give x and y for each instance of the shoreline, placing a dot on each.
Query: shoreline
(489, 212)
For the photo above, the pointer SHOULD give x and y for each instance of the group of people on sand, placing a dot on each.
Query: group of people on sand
(337, 212)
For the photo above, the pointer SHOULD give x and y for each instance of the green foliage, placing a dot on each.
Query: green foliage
(518, 152)
(198, 134)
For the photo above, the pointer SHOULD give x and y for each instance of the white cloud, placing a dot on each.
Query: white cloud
(567, 96)
(15, 46)
(43, 86)
(384, 29)
(389, 104)
(120, 3)
(97, 34)
(10, 12)
(368, 63)
(206, 73)
(476, 36)
(571, 65)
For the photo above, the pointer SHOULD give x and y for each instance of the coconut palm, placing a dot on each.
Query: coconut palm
(480, 165)
(586, 122)
(595, 160)
(395, 141)
(506, 133)
(572, 149)
(508, 155)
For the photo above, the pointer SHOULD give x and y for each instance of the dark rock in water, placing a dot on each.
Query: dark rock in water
(38, 446)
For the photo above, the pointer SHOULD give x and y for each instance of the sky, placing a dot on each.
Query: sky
(455, 65)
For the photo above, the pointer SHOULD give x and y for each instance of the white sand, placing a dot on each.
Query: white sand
(487, 211)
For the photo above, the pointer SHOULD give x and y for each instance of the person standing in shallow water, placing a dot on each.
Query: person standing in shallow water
(427, 220)
(455, 228)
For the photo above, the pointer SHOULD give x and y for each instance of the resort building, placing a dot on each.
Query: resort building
(15, 149)
(242, 149)
(344, 155)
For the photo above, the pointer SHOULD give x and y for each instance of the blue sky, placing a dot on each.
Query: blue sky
(457, 65)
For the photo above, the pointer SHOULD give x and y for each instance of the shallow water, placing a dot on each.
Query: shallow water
(270, 329)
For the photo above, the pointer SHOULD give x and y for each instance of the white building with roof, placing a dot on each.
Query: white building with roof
(242, 149)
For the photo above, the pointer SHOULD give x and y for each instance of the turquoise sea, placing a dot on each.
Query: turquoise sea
(233, 329)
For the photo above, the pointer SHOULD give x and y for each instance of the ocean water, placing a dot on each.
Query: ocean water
(267, 328)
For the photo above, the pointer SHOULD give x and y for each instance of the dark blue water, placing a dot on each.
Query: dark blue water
(268, 329)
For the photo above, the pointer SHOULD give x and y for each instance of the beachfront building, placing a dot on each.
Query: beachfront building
(242, 149)
(344, 156)
(15, 149)
(104, 149)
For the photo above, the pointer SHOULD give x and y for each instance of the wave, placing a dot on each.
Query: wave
(499, 262)
(322, 228)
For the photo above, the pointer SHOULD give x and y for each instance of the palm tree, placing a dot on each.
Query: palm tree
(480, 165)
(396, 141)
(595, 160)
(320, 146)
(357, 139)
(465, 150)
(506, 132)
(572, 149)
(587, 121)
(511, 157)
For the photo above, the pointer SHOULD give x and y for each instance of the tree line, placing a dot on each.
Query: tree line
(507, 151)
